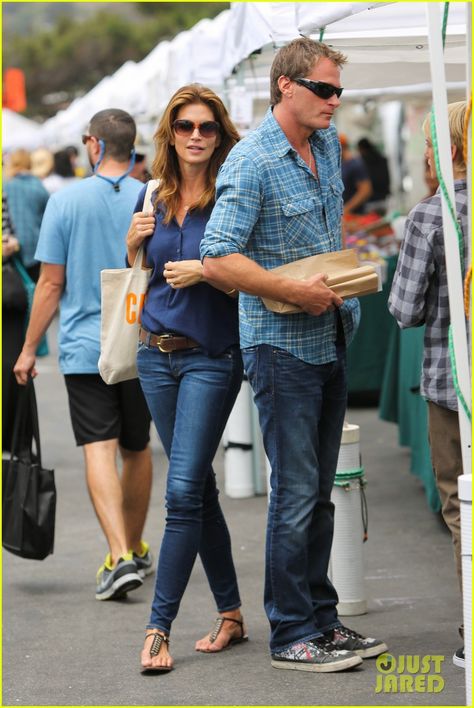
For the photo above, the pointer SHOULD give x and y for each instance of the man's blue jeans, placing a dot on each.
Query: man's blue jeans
(190, 396)
(301, 408)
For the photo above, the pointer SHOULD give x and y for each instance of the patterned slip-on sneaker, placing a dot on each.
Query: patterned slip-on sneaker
(345, 638)
(314, 656)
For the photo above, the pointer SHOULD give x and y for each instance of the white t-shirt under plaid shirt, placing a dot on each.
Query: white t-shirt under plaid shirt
(419, 292)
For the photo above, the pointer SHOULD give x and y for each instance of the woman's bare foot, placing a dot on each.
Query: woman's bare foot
(229, 633)
(161, 661)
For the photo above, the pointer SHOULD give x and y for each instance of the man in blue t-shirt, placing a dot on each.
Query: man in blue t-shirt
(82, 233)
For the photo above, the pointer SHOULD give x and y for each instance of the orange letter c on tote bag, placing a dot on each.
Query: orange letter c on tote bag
(134, 307)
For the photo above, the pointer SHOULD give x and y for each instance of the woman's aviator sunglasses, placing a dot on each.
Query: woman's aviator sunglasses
(320, 88)
(185, 128)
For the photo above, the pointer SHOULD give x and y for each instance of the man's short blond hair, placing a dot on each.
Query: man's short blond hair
(298, 59)
(456, 117)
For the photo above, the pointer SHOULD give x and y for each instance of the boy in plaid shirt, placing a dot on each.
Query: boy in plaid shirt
(419, 296)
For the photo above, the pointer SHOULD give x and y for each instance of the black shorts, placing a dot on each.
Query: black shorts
(103, 412)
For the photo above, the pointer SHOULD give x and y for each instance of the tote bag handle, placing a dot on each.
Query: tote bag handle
(26, 427)
(147, 208)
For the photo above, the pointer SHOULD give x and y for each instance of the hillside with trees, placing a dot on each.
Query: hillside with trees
(65, 49)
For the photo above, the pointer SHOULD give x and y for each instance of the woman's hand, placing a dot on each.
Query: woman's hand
(10, 246)
(182, 274)
(142, 226)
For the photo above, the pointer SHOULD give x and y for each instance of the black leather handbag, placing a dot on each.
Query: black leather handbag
(29, 491)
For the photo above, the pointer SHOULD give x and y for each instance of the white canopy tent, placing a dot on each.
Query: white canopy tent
(19, 132)
(145, 88)
(386, 44)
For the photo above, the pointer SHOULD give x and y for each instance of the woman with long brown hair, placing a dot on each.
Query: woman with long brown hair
(189, 365)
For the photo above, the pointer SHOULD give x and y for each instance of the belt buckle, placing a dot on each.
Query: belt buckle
(160, 339)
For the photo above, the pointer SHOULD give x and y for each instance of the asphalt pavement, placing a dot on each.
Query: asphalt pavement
(62, 647)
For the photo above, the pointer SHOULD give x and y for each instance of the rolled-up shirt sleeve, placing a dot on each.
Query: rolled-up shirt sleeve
(237, 208)
(415, 268)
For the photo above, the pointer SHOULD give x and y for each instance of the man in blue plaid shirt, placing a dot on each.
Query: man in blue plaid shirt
(419, 296)
(279, 198)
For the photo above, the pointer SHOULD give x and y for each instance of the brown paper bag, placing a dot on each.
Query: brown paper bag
(345, 276)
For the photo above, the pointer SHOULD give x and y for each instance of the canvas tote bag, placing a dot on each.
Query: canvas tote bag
(345, 276)
(123, 292)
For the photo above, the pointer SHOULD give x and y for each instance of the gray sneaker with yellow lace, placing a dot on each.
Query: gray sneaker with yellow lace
(114, 581)
(144, 560)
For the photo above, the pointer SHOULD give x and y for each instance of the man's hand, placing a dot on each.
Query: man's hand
(25, 367)
(315, 297)
(243, 274)
(182, 274)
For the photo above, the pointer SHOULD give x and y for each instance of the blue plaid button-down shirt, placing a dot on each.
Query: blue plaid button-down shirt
(271, 208)
(419, 292)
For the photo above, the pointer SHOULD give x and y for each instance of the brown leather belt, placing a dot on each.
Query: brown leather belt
(166, 343)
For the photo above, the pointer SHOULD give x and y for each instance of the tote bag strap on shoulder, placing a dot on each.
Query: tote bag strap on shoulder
(147, 208)
(150, 188)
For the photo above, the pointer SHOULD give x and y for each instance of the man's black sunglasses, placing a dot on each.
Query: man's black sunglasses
(320, 88)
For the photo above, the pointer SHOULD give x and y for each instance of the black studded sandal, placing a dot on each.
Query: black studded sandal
(234, 640)
(154, 651)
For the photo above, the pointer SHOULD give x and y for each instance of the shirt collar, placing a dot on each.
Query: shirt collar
(458, 184)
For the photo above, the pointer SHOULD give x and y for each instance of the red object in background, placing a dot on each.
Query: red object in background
(371, 223)
(14, 93)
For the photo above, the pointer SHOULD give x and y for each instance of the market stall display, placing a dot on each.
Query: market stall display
(375, 242)
(401, 403)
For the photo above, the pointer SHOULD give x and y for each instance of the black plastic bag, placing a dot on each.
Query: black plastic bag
(29, 492)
